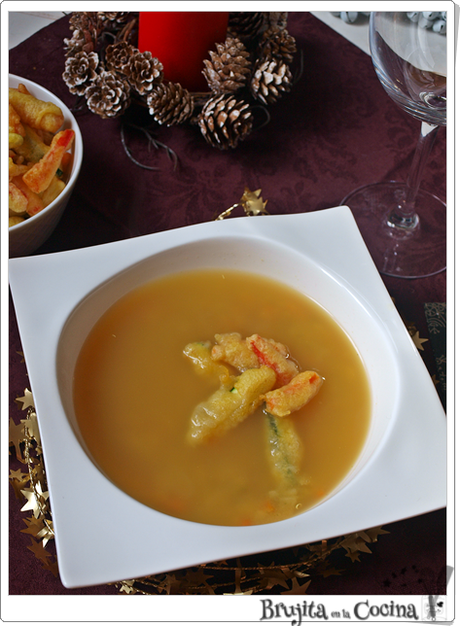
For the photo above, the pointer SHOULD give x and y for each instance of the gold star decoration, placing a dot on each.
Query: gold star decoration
(198, 577)
(127, 587)
(418, 340)
(251, 202)
(34, 526)
(35, 499)
(31, 424)
(354, 544)
(51, 566)
(16, 436)
(27, 400)
(412, 330)
(296, 589)
(331, 571)
(273, 576)
(18, 481)
(46, 533)
(40, 552)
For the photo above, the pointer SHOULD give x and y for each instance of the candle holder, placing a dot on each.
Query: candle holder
(108, 73)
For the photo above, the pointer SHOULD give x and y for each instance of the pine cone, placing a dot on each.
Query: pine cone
(271, 78)
(79, 71)
(88, 22)
(144, 71)
(277, 44)
(79, 42)
(224, 121)
(170, 104)
(117, 17)
(108, 95)
(118, 56)
(229, 67)
(277, 20)
(245, 24)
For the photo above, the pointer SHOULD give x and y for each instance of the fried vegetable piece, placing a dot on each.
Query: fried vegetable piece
(41, 174)
(52, 192)
(33, 147)
(284, 449)
(34, 202)
(23, 89)
(293, 396)
(270, 353)
(232, 349)
(36, 113)
(199, 352)
(17, 200)
(14, 140)
(14, 122)
(16, 169)
(14, 219)
(227, 408)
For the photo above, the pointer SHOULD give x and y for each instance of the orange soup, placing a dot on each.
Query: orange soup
(135, 392)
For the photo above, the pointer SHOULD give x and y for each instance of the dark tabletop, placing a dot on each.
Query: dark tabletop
(335, 131)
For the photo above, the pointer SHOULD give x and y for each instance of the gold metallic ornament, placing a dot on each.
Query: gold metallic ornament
(251, 202)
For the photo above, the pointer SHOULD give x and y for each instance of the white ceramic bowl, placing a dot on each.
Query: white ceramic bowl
(29, 235)
(400, 473)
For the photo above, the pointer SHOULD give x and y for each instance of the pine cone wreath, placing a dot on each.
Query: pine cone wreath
(80, 70)
(104, 65)
(229, 67)
(108, 95)
(277, 44)
(224, 121)
(271, 78)
(170, 104)
(144, 71)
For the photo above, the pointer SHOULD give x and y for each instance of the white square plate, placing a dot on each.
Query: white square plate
(58, 297)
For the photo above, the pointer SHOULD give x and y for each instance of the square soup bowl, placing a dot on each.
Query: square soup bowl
(399, 473)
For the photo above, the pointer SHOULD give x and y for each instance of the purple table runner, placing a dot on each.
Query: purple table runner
(335, 131)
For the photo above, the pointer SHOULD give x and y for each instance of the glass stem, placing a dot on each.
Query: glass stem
(405, 216)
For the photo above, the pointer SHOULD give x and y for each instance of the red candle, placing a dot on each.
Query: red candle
(181, 41)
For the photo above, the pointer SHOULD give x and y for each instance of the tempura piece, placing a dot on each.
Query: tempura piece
(268, 353)
(34, 202)
(284, 449)
(23, 89)
(36, 113)
(232, 349)
(16, 169)
(14, 140)
(293, 396)
(199, 352)
(227, 408)
(51, 193)
(41, 174)
(14, 122)
(17, 200)
(33, 147)
(14, 219)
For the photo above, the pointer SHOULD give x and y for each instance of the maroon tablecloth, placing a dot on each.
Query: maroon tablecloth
(335, 131)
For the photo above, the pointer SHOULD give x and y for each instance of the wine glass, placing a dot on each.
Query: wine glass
(404, 226)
